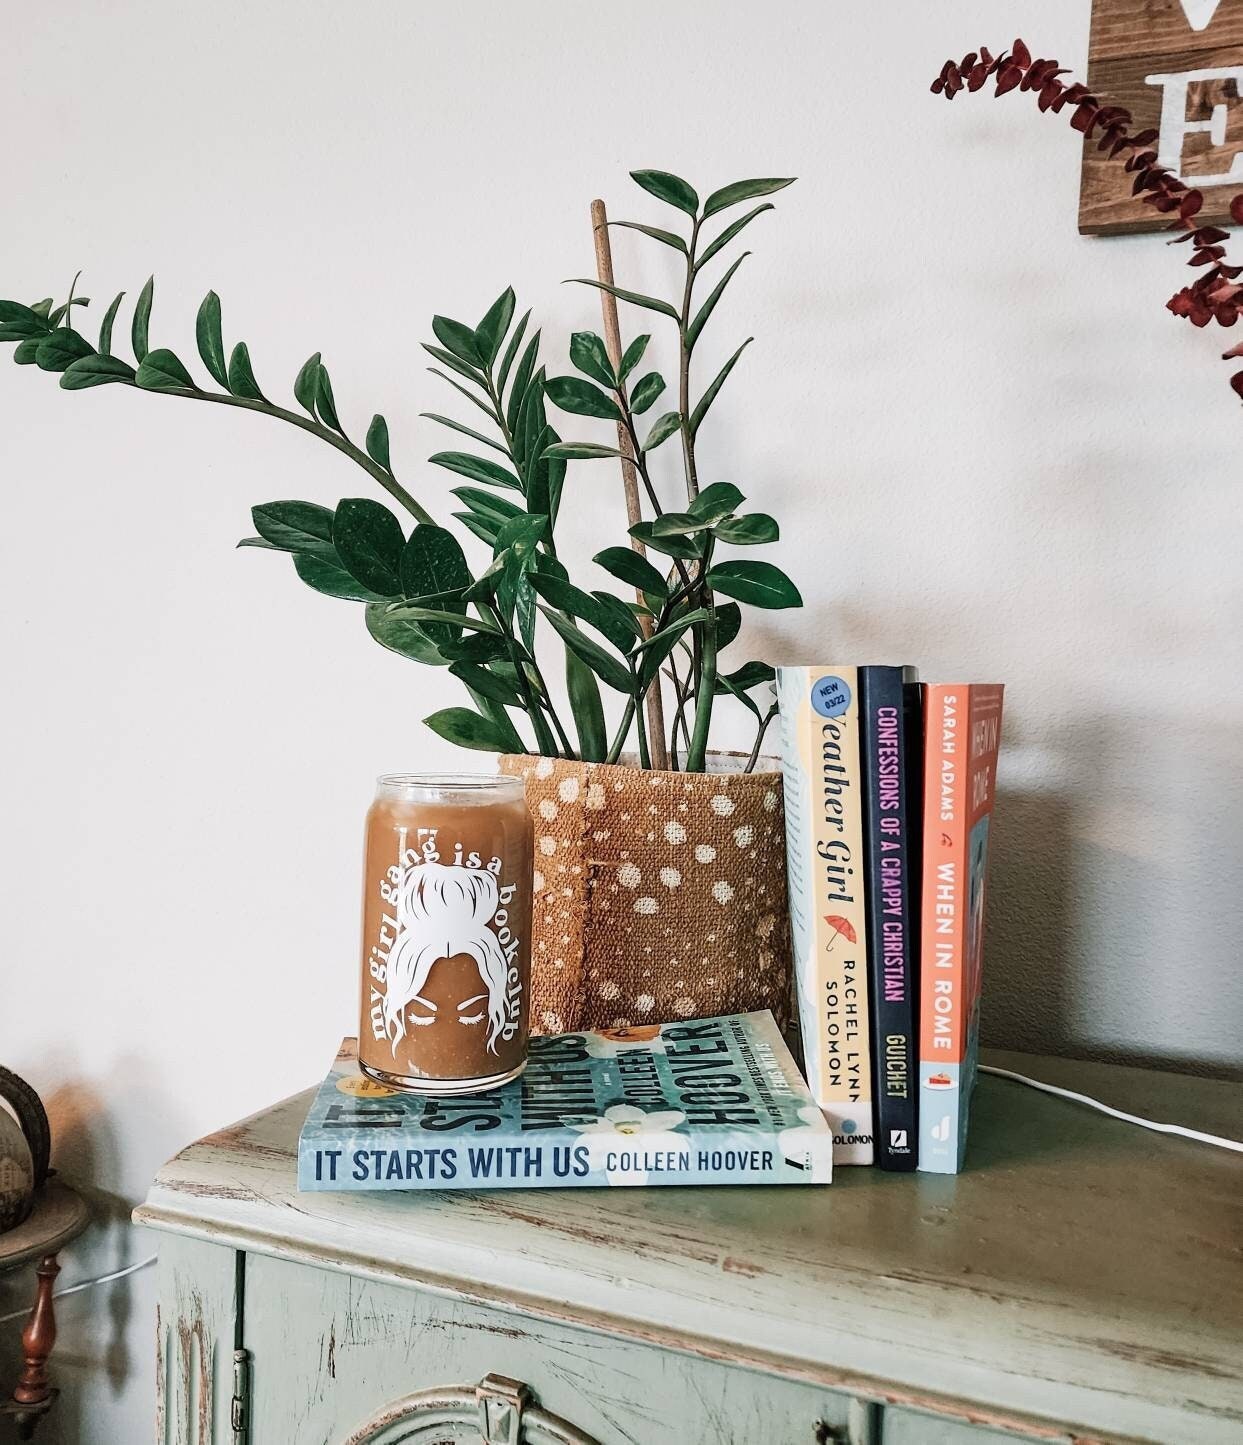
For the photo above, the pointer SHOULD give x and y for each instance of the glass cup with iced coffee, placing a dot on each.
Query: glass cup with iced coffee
(446, 952)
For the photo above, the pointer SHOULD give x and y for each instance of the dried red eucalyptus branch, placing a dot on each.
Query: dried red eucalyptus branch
(1215, 295)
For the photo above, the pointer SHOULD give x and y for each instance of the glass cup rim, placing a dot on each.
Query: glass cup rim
(458, 782)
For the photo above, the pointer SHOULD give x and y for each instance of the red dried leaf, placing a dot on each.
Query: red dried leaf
(1207, 255)
(1192, 202)
(1020, 54)
(1084, 117)
(1236, 381)
(1226, 315)
(1211, 236)
(1008, 77)
(1234, 351)
(1145, 137)
(1236, 209)
(979, 74)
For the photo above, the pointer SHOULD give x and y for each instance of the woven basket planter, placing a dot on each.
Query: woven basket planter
(658, 896)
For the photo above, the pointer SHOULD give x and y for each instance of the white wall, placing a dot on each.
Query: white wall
(992, 451)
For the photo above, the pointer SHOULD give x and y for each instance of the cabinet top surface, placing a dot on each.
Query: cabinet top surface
(1081, 1268)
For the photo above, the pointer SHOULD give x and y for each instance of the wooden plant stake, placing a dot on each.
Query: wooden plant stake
(630, 478)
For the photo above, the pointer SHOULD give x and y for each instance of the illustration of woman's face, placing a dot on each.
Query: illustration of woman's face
(452, 995)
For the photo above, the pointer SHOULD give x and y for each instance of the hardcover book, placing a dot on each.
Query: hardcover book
(962, 726)
(827, 869)
(708, 1101)
(892, 745)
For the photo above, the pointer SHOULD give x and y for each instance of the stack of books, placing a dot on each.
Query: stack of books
(888, 792)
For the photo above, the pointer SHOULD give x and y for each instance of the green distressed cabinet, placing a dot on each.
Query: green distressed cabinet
(1082, 1282)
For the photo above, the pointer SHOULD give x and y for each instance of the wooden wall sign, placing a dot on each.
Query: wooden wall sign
(1177, 65)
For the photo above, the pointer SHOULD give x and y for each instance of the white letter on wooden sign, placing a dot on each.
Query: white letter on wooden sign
(1200, 12)
(1175, 127)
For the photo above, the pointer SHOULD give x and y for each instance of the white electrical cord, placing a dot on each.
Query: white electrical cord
(86, 1284)
(1181, 1129)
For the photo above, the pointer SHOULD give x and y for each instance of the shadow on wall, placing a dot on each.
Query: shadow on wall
(1111, 908)
(103, 1333)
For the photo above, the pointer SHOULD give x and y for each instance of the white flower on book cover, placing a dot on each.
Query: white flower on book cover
(612, 1154)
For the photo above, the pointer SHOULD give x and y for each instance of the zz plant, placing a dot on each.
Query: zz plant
(420, 596)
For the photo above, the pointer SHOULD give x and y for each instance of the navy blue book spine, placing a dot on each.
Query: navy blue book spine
(892, 745)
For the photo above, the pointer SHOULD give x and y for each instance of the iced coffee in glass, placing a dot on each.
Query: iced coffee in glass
(446, 953)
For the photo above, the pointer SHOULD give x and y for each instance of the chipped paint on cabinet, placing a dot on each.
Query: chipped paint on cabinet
(196, 1323)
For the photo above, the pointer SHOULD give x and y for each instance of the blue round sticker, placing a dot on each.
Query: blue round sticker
(830, 696)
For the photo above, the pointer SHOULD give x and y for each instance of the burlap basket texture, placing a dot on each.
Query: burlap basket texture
(658, 895)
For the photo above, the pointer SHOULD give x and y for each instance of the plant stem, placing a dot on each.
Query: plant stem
(623, 730)
(697, 751)
(385, 478)
(759, 738)
(645, 760)
(552, 711)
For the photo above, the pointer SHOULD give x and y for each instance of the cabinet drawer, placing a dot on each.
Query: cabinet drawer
(914, 1427)
(331, 1351)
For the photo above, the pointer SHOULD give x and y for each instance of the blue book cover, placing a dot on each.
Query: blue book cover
(708, 1101)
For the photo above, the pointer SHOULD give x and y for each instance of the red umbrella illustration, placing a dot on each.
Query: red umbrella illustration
(840, 925)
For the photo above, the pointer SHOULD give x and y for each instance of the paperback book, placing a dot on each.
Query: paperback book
(892, 738)
(962, 733)
(708, 1101)
(827, 874)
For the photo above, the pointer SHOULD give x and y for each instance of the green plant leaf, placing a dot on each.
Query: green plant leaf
(479, 525)
(631, 357)
(447, 358)
(728, 234)
(686, 548)
(511, 351)
(402, 636)
(141, 327)
(61, 349)
(586, 708)
(469, 395)
(325, 402)
(679, 524)
(484, 586)
(458, 339)
(521, 534)
(525, 609)
(662, 429)
(716, 501)
(752, 530)
(432, 561)
(532, 420)
(573, 394)
(646, 391)
(706, 310)
(590, 355)
(96, 371)
(476, 647)
(490, 332)
(649, 303)
(478, 469)
(669, 188)
(305, 384)
(728, 624)
(744, 191)
(657, 648)
(377, 443)
(726, 686)
(241, 375)
(666, 238)
(718, 381)
(605, 666)
(207, 330)
(488, 504)
(259, 542)
(26, 353)
(466, 431)
(564, 595)
(162, 371)
(487, 684)
(625, 627)
(369, 542)
(414, 613)
(469, 729)
(40, 308)
(522, 380)
(750, 674)
(579, 451)
(295, 527)
(758, 583)
(330, 577)
(627, 565)
(18, 322)
(105, 326)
